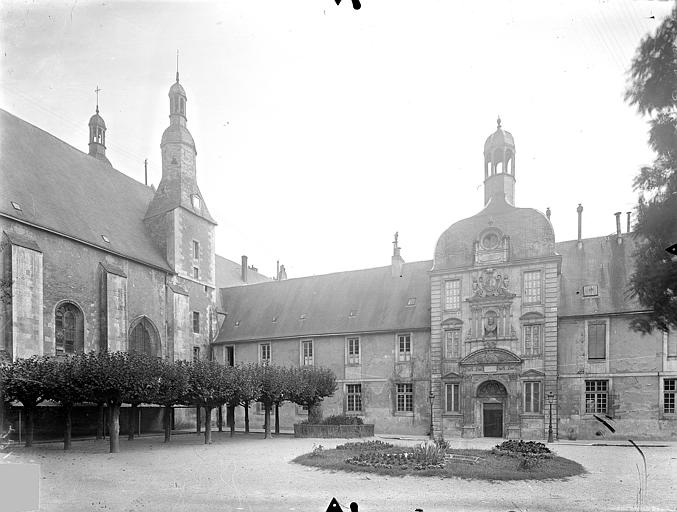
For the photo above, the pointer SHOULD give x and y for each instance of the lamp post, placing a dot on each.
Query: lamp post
(431, 397)
(551, 397)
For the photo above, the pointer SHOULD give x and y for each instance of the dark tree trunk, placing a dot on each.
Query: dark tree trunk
(130, 423)
(267, 422)
(219, 419)
(230, 418)
(208, 425)
(246, 418)
(277, 418)
(30, 415)
(198, 420)
(100, 421)
(168, 422)
(67, 409)
(114, 427)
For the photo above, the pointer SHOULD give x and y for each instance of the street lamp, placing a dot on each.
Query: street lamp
(551, 398)
(431, 397)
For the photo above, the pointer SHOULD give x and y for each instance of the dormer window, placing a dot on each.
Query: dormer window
(411, 301)
(105, 239)
(16, 206)
(196, 202)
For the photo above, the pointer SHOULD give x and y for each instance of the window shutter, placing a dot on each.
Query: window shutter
(596, 340)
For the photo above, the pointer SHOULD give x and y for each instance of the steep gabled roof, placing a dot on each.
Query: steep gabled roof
(67, 191)
(601, 262)
(323, 304)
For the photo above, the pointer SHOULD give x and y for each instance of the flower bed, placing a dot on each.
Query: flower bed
(365, 446)
(521, 448)
(329, 431)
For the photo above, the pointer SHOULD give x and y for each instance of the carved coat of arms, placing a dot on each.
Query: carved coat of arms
(491, 283)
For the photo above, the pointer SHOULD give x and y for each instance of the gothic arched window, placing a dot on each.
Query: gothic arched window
(143, 338)
(68, 329)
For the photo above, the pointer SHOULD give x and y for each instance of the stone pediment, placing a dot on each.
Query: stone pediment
(491, 356)
(535, 374)
(451, 375)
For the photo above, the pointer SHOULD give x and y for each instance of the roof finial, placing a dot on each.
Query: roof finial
(97, 91)
(498, 123)
(177, 65)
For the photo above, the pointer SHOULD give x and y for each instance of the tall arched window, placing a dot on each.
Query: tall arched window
(143, 338)
(68, 329)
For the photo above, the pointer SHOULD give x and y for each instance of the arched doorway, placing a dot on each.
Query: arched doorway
(144, 338)
(69, 329)
(492, 395)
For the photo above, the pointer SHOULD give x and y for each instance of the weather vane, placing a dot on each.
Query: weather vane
(97, 91)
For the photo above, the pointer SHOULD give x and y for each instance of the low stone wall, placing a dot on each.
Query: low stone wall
(341, 431)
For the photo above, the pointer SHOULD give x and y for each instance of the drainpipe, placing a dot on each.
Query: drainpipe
(580, 224)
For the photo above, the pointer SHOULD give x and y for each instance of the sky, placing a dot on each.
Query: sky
(322, 130)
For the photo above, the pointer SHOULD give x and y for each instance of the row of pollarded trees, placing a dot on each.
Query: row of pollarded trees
(114, 378)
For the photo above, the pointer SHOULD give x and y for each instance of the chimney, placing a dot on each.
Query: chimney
(580, 225)
(619, 239)
(244, 268)
(629, 214)
(145, 172)
(396, 260)
(547, 212)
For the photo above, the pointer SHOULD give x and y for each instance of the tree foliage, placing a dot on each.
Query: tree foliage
(652, 88)
(309, 386)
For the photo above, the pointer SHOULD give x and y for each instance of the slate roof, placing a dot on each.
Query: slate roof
(229, 273)
(531, 234)
(65, 190)
(600, 262)
(378, 300)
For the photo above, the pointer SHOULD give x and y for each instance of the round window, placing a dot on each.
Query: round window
(490, 241)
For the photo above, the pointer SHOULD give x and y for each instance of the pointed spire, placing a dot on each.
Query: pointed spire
(498, 123)
(177, 66)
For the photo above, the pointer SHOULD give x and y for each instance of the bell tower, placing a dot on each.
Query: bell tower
(97, 133)
(499, 166)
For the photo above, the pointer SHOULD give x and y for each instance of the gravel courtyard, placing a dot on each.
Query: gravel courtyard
(252, 474)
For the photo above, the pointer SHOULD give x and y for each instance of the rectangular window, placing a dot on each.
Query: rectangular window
(452, 344)
(196, 353)
(196, 273)
(532, 339)
(353, 350)
(669, 391)
(264, 353)
(404, 347)
(452, 295)
(353, 397)
(596, 396)
(405, 397)
(532, 287)
(230, 356)
(453, 397)
(196, 322)
(196, 249)
(597, 340)
(532, 397)
(307, 352)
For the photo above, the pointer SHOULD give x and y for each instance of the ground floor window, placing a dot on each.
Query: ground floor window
(532, 397)
(669, 391)
(453, 398)
(353, 397)
(596, 396)
(405, 397)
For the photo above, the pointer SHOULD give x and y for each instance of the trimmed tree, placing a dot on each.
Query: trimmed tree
(144, 373)
(25, 383)
(248, 379)
(311, 385)
(172, 390)
(66, 383)
(274, 385)
(210, 385)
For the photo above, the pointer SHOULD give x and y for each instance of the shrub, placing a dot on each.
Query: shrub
(520, 447)
(339, 419)
(318, 451)
(442, 444)
(365, 446)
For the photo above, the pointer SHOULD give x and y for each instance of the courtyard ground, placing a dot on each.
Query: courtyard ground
(249, 473)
